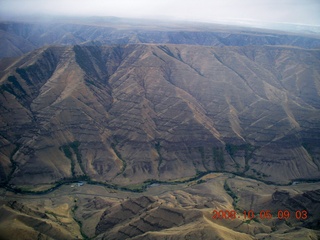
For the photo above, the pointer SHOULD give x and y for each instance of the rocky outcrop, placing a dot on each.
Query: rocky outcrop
(135, 217)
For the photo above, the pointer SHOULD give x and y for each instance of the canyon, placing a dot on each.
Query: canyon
(163, 125)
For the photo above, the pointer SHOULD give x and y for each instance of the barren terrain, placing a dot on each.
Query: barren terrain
(163, 211)
(114, 132)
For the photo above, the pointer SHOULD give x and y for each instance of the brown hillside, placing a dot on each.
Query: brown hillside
(129, 113)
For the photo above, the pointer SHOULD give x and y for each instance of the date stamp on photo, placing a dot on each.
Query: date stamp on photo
(263, 214)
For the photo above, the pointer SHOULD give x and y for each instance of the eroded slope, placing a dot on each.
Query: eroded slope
(125, 114)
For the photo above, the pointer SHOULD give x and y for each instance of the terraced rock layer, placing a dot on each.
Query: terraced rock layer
(126, 114)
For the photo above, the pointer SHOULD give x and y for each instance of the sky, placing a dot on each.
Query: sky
(306, 12)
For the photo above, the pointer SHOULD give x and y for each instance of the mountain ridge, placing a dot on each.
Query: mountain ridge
(18, 38)
(129, 113)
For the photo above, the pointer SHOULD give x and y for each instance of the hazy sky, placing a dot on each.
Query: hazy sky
(290, 11)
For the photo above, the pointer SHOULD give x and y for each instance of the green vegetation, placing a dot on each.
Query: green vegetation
(69, 150)
(288, 224)
(259, 174)
(274, 228)
(231, 149)
(7, 88)
(308, 147)
(249, 220)
(82, 55)
(249, 149)
(56, 185)
(22, 72)
(248, 152)
(73, 179)
(202, 154)
(231, 194)
(24, 75)
(158, 148)
(75, 147)
(118, 154)
(73, 210)
(201, 151)
(218, 158)
(201, 181)
(13, 86)
(16, 84)
(13, 164)
(255, 219)
(139, 187)
(167, 51)
(90, 82)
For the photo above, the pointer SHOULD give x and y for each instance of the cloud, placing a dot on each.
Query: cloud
(291, 11)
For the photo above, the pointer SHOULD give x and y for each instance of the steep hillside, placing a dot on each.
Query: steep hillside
(126, 114)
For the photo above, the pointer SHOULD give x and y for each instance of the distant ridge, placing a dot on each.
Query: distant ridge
(21, 37)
